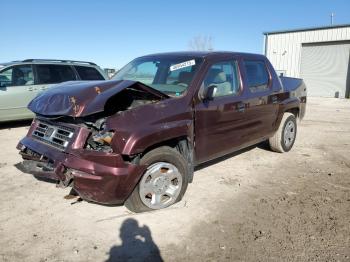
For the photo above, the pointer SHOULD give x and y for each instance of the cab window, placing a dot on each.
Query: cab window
(224, 76)
(21, 75)
(169, 75)
(257, 76)
(180, 76)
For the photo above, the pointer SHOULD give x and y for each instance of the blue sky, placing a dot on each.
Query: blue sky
(111, 33)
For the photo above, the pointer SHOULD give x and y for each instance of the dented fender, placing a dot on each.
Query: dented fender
(140, 128)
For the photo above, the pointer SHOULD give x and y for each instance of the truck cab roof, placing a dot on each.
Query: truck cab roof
(204, 54)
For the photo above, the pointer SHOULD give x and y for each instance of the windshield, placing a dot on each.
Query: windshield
(171, 76)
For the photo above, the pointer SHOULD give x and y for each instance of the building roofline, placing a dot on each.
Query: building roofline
(306, 29)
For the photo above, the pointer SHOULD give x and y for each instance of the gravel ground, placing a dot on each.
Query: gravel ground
(253, 206)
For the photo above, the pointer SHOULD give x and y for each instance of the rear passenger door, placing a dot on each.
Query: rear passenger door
(262, 103)
(49, 74)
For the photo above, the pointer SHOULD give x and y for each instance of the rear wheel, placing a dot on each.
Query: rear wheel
(284, 138)
(163, 183)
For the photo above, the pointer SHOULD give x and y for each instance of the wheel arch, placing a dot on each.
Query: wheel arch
(290, 105)
(183, 144)
(294, 110)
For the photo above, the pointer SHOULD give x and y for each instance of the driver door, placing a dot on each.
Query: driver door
(17, 89)
(221, 121)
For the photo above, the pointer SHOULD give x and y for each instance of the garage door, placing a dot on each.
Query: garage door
(325, 68)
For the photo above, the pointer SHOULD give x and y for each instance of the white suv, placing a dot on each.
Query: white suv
(21, 81)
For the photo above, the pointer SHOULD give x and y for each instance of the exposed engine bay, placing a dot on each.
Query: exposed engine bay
(128, 99)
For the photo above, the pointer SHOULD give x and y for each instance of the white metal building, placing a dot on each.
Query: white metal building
(319, 55)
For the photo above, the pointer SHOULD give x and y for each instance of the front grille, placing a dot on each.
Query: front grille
(54, 135)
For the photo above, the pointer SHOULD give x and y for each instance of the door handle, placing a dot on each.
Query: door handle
(30, 88)
(240, 107)
(274, 99)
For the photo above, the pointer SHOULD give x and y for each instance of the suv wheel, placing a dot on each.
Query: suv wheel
(284, 138)
(163, 183)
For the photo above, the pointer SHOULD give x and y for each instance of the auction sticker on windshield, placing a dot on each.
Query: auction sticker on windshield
(182, 65)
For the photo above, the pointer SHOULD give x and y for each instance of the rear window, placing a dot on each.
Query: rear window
(88, 73)
(51, 74)
(257, 75)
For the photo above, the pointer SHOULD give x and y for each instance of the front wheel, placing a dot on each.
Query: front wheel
(163, 183)
(284, 138)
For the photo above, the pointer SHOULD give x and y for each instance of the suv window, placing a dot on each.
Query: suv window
(88, 73)
(51, 74)
(17, 76)
(224, 76)
(257, 75)
(144, 72)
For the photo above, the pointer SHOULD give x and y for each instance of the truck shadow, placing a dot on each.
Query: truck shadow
(137, 244)
(22, 167)
(15, 124)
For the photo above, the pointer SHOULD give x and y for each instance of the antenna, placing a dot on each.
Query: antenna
(332, 18)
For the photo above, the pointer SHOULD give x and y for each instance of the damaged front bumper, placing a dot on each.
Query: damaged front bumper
(96, 176)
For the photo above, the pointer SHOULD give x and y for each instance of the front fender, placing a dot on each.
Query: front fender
(140, 141)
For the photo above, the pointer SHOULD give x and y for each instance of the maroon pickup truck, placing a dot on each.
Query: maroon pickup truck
(136, 138)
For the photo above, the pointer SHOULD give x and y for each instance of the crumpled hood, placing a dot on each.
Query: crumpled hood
(82, 98)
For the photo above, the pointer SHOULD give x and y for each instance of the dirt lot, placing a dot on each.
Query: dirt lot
(253, 206)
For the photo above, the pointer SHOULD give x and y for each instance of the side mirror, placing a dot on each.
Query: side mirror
(211, 90)
(207, 92)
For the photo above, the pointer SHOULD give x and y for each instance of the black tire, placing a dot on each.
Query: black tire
(160, 154)
(277, 142)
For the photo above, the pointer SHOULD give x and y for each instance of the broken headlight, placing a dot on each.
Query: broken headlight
(100, 141)
(103, 137)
